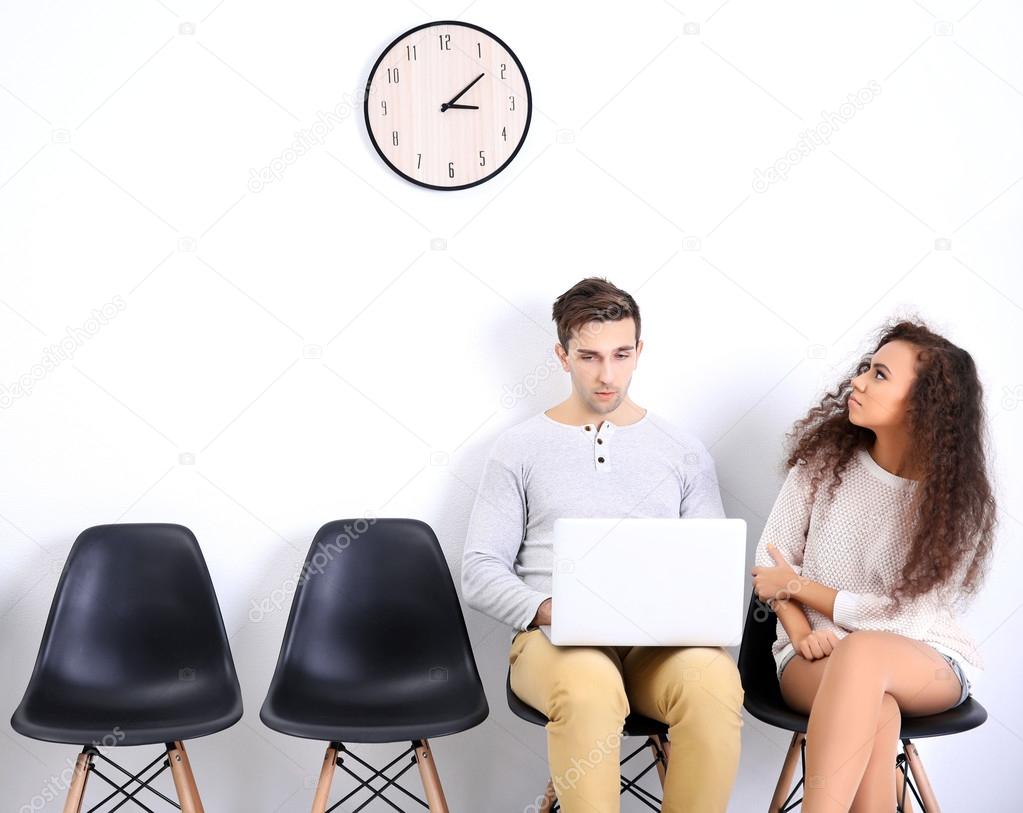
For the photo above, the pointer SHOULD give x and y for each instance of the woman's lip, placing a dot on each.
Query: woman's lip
(853, 400)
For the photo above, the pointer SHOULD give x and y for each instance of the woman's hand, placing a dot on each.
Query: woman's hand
(778, 582)
(816, 644)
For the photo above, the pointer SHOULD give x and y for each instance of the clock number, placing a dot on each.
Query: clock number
(394, 138)
(445, 41)
(392, 76)
(511, 102)
(410, 53)
(504, 133)
(384, 106)
(451, 169)
(419, 160)
(483, 159)
(479, 50)
(503, 69)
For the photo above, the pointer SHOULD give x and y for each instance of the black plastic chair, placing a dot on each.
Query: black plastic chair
(636, 725)
(764, 701)
(134, 652)
(375, 650)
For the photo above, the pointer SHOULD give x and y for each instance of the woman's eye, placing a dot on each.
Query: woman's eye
(879, 373)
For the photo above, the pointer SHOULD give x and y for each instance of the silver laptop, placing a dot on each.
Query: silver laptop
(648, 582)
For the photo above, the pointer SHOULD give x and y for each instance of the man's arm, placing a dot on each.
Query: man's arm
(701, 495)
(496, 531)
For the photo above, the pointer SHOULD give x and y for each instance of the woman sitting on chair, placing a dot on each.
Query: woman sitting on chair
(884, 523)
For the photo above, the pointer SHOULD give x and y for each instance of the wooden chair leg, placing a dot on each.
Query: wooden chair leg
(184, 781)
(549, 798)
(76, 791)
(788, 770)
(430, 777)
(661, 747)
(326, 779)
(923, 784)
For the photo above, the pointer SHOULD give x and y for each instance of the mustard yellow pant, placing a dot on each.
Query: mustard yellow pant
(586, 693)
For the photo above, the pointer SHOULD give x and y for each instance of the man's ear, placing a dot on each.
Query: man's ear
(562, 355)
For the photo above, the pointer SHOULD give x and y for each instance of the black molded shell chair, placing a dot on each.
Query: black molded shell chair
(375, 650)
(134, 652)
(636, 725)
(764, 701)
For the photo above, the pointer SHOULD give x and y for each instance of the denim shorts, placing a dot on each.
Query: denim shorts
(964, 682)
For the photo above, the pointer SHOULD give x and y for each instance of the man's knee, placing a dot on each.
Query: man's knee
(590, 688)
(711, 670)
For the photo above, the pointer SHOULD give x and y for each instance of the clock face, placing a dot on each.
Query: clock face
(447, 105)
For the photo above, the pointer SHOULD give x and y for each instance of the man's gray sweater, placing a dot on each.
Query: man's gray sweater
(542, 469)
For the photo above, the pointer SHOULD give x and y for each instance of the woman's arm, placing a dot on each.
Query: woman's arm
(793, 619)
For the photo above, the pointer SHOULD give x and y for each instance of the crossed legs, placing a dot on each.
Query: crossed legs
(856, 698)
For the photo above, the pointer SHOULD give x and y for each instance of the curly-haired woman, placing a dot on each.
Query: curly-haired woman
(866, 575)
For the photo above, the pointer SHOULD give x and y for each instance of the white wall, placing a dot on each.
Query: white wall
(126, 151)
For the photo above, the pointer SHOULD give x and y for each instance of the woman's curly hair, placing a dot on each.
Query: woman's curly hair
(953, 503)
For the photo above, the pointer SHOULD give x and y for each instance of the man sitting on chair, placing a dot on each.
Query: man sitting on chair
(598, 454)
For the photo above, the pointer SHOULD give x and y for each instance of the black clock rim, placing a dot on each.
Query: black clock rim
(369, 82)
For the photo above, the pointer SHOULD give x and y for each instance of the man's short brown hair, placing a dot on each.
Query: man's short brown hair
(589, 300)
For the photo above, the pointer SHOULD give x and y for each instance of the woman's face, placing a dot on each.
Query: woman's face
(881, 394)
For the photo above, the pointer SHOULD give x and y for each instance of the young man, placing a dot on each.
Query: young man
(598, 454)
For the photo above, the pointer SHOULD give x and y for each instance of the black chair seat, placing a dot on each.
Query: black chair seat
(134, 651)
(376, 648)
(161, 713)
(636, 725)
(764, 701)
(336, 712)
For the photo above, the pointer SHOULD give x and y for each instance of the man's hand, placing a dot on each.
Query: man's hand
(778, 582)
(543, 614)
(816, 644)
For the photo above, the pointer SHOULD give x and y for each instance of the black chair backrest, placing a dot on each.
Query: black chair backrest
(756, 662)
(375, 603)
(134, 604)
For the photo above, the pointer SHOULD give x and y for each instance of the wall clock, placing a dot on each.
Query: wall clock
(447, 105)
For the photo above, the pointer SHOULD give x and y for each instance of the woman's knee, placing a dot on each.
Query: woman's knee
(861, 644)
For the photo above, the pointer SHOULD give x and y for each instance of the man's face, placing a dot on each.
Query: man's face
(601, 358)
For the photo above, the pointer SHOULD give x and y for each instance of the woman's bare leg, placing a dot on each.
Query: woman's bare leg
(847, 709)
(876, 791)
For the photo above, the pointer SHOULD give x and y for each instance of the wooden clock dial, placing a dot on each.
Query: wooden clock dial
(447, 105)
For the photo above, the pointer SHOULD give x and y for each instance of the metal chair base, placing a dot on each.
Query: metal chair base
(421, 756)
(173, 757)
(659, 744)
(908, 766)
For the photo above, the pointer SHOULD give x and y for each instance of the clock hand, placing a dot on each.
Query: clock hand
(450, 102)
(462, 107)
